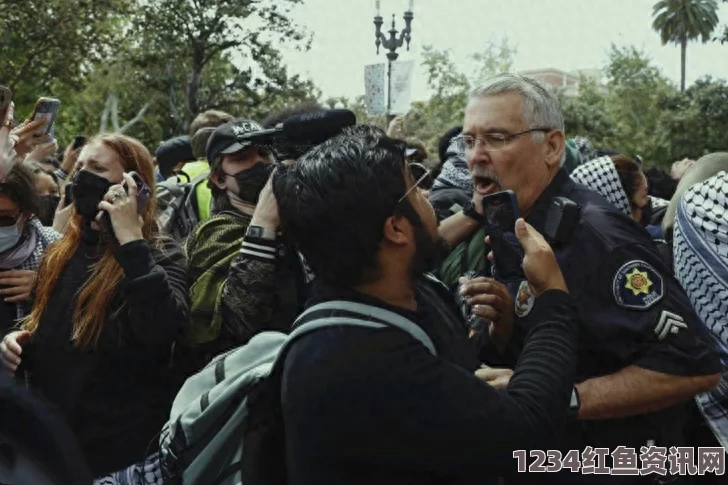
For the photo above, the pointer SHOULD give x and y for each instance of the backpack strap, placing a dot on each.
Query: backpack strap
(360, 315)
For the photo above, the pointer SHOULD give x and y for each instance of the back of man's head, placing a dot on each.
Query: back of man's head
(334, 201)
(202, 127)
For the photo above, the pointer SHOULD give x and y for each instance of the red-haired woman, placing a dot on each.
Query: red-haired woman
(108, 306)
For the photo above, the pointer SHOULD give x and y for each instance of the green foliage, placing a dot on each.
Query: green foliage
(164, 59)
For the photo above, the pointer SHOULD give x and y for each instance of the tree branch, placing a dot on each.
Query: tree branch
(136, 119)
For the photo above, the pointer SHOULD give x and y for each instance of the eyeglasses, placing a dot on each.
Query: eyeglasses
(492, 142)
(416, 170)
(6, 221)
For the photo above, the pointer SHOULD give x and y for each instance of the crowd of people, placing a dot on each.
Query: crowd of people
(125, 273)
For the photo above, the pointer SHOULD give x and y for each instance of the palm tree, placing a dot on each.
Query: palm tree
(680, 21)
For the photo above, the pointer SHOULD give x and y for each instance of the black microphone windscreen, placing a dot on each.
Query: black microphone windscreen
(317, 127)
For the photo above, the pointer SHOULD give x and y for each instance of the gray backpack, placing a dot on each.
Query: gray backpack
(226, 425)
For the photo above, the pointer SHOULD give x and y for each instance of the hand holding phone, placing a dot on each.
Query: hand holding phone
(500, 212)
(45, 109)
(118, 218)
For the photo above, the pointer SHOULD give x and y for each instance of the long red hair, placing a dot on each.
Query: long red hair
(94, 297)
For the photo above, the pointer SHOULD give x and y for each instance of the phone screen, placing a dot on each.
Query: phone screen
(46, 109)
(500, 213)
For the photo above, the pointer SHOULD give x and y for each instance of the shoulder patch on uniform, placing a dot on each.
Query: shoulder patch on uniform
(669, 323)
(637, 286)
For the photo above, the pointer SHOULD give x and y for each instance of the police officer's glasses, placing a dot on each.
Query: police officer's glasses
(492, 142)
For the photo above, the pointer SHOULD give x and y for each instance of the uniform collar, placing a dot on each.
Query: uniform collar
(560, 185)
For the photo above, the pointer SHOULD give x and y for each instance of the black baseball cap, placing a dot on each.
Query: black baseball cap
(228, 138)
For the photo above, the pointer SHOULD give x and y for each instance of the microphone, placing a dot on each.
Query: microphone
(305, 129)
(317, 127)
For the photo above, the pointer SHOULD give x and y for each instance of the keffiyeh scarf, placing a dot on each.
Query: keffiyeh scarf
(701, 267)
(42, 237)
(455, 173)
(601, 176)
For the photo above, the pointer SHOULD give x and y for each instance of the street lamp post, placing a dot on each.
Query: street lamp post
(392, 44)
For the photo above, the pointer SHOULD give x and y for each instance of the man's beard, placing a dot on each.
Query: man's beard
(429, 253)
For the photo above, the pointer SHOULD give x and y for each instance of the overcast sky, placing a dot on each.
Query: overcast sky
(564, 34)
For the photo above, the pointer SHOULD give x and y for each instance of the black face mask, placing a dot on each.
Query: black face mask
(646, 218)
(48, 206)
(251, 181)
(88, 191)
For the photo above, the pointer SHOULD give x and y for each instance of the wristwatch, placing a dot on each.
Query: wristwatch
(470, 211)
(260, 232)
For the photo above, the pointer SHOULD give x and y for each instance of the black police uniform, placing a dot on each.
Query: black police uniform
(634, 314)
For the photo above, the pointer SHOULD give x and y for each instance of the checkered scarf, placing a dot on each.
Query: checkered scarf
(601, 176)
(455, 173)
(45, 236)
(701, 267)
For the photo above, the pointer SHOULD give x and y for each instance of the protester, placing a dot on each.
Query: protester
(373, 405)
(23, 241)
(173, 154)
(453, 186)
(621, 181)
(200, 131)
(46, 184)
(703, 169)
(238, 172)
(636, 369)
(108, 306)
(701, 266)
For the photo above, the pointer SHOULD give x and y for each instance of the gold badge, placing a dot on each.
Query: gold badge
(639, 282)
(524, 299)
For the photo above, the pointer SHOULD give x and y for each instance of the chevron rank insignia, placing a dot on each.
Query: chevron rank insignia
(669, 323)
(637, 286)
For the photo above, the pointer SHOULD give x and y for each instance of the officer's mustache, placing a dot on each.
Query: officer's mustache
(486, 175)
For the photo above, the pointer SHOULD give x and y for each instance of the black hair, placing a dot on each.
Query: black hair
(38, 429)
(37, 168)
(445, 140)
(334, 201)
(19, 186)
(660, 183)
(276, 117)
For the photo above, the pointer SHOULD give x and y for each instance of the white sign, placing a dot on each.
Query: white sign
(375, 82)
(401, 86)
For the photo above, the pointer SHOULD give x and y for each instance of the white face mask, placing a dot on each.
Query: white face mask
(9, 237)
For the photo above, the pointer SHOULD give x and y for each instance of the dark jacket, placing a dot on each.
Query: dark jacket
(116, 396)
(365, 406)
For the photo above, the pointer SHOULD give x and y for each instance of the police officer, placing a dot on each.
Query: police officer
(644, 351)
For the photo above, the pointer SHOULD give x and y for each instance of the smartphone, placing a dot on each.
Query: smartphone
(144, 194)
(78, 142)
(500, 212)
(46, 109)
(6, 97)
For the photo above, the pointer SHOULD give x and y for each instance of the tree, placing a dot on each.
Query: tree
(188, 36)
(50, 41)
(681, 21)
(586, 114)
(636, 90)
(696, 119)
